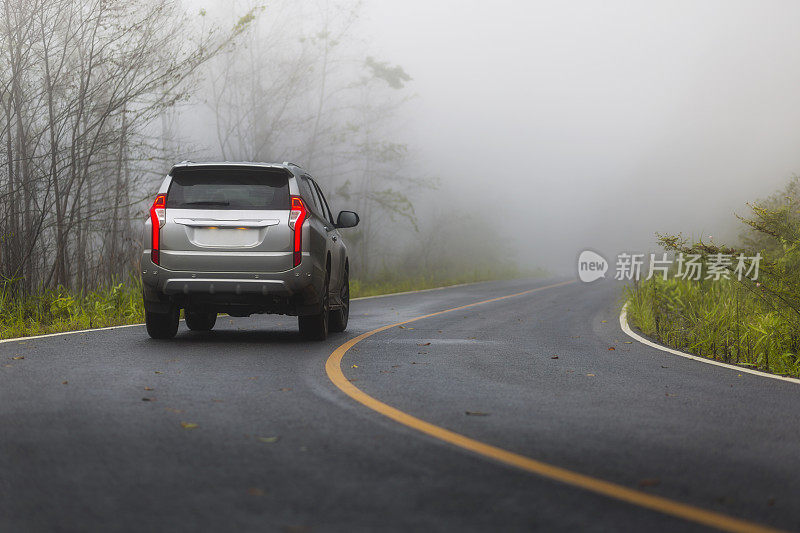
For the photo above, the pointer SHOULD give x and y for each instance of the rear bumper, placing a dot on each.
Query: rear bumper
(293, 292)
(225, 286)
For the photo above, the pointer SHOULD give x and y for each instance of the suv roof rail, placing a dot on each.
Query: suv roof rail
(290, 164)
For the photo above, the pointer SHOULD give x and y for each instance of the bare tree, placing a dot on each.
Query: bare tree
(311, 96)
(85, 82)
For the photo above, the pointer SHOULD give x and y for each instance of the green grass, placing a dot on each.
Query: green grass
(723, 320)
(55, 311)
(752, 322)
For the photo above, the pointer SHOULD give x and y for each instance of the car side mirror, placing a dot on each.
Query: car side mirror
(347, 219)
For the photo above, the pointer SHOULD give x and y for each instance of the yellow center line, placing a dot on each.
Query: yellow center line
(605, 488)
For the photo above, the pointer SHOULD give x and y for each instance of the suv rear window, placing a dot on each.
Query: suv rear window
(228, 188)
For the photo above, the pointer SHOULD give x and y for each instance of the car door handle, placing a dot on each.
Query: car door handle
(334, 238)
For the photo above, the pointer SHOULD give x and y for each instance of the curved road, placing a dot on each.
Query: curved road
(86, 445)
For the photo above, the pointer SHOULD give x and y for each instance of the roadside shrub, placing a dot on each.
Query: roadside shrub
(748, 322)
(51, 311)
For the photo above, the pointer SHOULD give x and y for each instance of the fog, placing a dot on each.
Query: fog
(596, 124)
(468, 135)
(582, 125)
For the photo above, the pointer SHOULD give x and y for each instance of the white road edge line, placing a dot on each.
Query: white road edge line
(623, 323)
(34, 337)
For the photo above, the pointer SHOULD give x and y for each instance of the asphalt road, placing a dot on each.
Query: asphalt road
(278, 447)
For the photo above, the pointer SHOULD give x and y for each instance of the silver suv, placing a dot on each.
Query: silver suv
(244, 238)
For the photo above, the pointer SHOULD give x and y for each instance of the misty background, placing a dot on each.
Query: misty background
(574, 125)
(466, 134)
(596, 124)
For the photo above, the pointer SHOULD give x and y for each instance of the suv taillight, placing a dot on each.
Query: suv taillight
(297, 216)
(158, 216)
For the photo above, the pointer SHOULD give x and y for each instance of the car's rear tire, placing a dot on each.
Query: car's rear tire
(200, 320)
(315, 327)
(339, 317)
(162, 325)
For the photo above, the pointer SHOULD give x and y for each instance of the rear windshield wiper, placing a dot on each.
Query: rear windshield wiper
(207, 202)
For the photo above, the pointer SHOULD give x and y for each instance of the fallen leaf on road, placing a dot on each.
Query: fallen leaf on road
(188, 425)
(64, 382)
(17, 358)
(662, 366)
(355, 366)
(603, 321)
(649, 482)
(554, 357)
(148, 388)
(148, 399)
(253, 491)
(409, 328)
(423, 344)
(395, 366)
(285, 389)
(422, 353)
(158, 372)
(611, 348)
(269, 440)
(476, 413)
(438, 331)
(401, 327)
(628, 342)
(591, 375)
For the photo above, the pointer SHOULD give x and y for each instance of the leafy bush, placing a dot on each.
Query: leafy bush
(750, 322)
(52, 311)
(721, 320)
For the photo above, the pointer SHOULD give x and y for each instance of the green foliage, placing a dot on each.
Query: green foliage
(750, 322)
(52, 311)
(721, 320)
(395, 76)
(245, 21)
